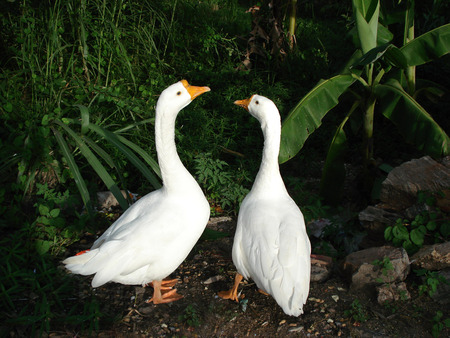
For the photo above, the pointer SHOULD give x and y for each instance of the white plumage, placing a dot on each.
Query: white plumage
(153, 237)
(271, 245)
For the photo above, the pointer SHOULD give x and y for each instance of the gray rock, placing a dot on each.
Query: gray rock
(358, 267)
(392, 292)
(399, 189)
(321, 267)
(375, 219)
(432, 257)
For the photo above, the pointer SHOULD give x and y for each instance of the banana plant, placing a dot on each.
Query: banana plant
(380, 78)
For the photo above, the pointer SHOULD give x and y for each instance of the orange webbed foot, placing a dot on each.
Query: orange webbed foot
(232, 293)
(167, 297)
(163, 292)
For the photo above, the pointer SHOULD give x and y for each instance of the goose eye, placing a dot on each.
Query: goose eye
(178, 93)
(256, 102)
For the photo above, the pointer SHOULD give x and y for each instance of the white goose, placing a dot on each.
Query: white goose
(153, 237)
(271, 245)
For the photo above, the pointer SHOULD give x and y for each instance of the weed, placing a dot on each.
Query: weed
(357, 312)
(190, 316)
(431, 280)
(431, 223)
(386, 269)
(221, 185)
(439, 323)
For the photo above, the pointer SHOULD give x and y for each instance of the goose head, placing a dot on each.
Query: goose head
(179, 95)
(260, 107)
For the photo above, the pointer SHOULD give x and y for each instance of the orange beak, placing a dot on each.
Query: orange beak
(193, 90)
(244, 103)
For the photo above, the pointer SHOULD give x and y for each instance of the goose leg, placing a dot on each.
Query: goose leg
(232, 293)
(160, 295)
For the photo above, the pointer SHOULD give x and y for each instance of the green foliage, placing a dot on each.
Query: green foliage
(439, 323)
(378, 71)
(36, 296)
(357, 312)
(386, 269)
(430, 224)
(190, 316)
(431, 280)
(221, 185)
(50, 230)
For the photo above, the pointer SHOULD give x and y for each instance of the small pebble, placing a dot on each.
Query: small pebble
(282, 322)
(296, 329)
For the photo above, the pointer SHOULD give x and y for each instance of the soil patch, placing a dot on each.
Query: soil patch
(123, 310)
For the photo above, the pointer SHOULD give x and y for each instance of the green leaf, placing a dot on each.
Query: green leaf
(98, 167)
(43, 210)
(333, 174)
(427, 47)
(42, 246)
(366, 14)
(388, 233)
(55, 213)
(79, 181)
(400, 232)
(412, 120)
(307, 115)
(147, 158)
(84, 118)
(417, 237)
(116, 141)
(431, 225)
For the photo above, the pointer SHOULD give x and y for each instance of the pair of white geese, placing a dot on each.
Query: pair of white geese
(154, 236)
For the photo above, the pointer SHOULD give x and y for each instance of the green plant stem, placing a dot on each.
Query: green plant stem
(292, 23)
(407, 37)
(368, 133)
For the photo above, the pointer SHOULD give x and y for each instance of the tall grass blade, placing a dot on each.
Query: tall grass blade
(151, 162)
(114, 139)
(97, 166)
(79, 181)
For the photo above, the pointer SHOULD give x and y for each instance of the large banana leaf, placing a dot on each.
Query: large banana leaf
(307, 115)
(366, 15)
(412, 120)
(333, 174)
(428, 47)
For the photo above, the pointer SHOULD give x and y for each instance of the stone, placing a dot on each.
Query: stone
(432, 257)
(399, 189)
(321, 267)
(360, 270)
(392, 292)
(107, 200)
(375, 219)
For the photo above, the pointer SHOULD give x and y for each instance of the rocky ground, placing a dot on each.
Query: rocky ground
(332, 309)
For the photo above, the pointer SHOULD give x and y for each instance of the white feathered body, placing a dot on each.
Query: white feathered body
(148, 242)
(272, 248)
(271, 245)
(153, 237)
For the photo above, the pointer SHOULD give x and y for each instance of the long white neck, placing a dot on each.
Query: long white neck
(174, 175)
(268, 180)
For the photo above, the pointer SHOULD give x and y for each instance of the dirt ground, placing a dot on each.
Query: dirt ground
(209, 269)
